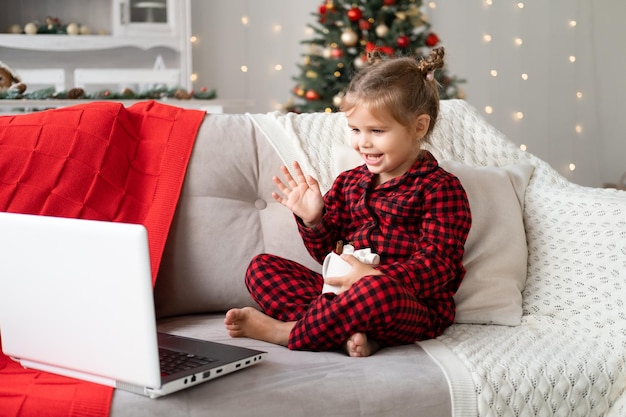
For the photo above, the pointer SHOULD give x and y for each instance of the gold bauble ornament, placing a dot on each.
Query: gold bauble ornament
(415, 16)
(382, 30)
(349, 37)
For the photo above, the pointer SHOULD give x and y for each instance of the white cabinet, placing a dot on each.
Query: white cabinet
(123, 34)
(139, 17)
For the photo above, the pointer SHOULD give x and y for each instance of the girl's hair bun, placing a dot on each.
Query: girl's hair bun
(426, 66)
(429, 64)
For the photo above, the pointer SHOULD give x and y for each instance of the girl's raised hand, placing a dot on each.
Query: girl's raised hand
(301, 195)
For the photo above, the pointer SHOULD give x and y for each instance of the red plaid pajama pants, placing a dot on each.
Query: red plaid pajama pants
(378, 306)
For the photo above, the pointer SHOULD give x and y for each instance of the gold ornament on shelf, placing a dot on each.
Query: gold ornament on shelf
(73, 29)
(31, 28)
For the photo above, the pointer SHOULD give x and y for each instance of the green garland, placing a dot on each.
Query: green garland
(127, 94)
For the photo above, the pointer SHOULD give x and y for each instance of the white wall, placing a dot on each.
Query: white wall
(271, 37)
(557, 125)
(548, 98)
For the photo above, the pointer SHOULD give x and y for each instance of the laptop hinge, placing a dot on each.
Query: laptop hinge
(136, 389)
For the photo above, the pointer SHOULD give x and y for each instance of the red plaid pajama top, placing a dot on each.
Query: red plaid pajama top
(417, 223)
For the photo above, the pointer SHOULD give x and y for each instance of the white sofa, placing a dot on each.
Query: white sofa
(541, 327)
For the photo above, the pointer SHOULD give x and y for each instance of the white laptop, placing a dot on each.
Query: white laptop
(76, 299)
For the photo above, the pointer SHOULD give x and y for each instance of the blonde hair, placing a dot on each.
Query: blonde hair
(404, 87)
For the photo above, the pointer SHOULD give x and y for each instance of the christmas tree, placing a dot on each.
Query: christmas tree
(346, 31)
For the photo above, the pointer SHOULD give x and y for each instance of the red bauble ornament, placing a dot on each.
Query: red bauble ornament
(403, 41)
(387, 50)
(389, 2)
(365, 24)
(297, 90)
(336, 53)
(312, 95)
(323, 9)
(431, 40)
(355, 14)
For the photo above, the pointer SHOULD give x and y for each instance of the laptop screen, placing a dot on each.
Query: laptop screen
(77, 295)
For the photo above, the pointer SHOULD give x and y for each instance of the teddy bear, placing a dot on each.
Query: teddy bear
(9, 80)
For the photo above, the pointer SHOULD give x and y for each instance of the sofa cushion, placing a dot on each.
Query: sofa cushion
(496, 253)
(396, 381)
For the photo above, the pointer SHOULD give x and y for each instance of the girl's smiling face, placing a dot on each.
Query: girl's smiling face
(387, 147)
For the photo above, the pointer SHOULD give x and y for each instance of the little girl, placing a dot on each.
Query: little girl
(399, 203)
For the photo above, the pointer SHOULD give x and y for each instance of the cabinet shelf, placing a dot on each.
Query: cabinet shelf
(60, 43)
(133, 39)
(215, 106)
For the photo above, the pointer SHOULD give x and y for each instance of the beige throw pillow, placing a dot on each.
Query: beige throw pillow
(496, 253)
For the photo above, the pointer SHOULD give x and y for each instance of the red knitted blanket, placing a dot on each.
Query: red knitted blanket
(98, 161)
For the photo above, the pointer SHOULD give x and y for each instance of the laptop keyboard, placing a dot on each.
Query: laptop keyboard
(173, 362)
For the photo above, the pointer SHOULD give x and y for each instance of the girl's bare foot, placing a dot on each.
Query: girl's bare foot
(358, 345)
(250, 322)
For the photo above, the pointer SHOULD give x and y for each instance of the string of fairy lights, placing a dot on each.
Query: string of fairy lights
(491, 39)
(245, 68)
(516, 25)
(518, 42)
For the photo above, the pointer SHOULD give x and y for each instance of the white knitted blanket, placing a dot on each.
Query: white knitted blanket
(568, 358)
(318, 141)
